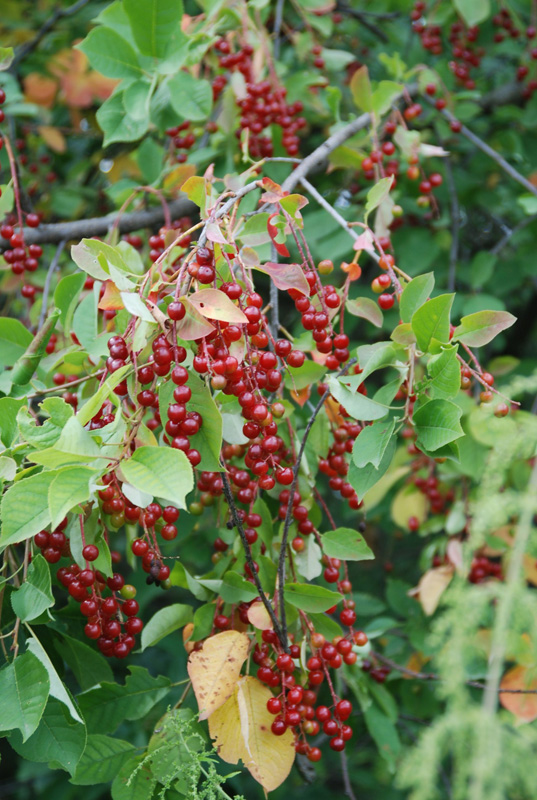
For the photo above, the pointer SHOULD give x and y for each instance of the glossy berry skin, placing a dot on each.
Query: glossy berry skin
(90, 552)
(386, 301)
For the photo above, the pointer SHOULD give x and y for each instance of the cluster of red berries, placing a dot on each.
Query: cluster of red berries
(111, 619)
(182, 140)
(263, 105)
(483, 568)
(294, 706)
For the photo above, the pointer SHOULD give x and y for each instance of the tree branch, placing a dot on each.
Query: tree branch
(292, 489)
(282, 636)
(99, 226)
(47, 26)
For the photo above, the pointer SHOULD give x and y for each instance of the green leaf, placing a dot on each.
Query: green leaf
(384, 734)
(35, 594)
(116, 124)
(403, 334)
(308, 561)
(191, 98)
(254, 231)
(6, 57)
(14, 339)
(164, 622)
(161, 471)
(134, 781)
(24, 688)
(371, 443)
(25, 509)
(415, 294)
(356, 404)
(482, 327)
(9, 408)
(136, 99)
(431, 321)
(88, 666)
(367, 309)
(325, 625)
(110, 54)
(445, 374)
(106, 706)
(66, 295)
(7, 198)
(384, 96)
(104, 392)
(377, 194)
(57, 687)
(74, 445)
(152, 22)
(346, 544)
(69, 488)
(437, 423)
(300, 377)
(309, 597)
(208, 440)
(473, 11)
(360, 87)
(236, 589)
(57, 740)
(50, 430)
(203, 621)
(102, 759)
(362, 479)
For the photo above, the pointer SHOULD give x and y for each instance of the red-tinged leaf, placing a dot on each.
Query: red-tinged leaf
(286, 276)
(274, 233)
(364, 242)
(249, 257)
(111, 298)
(273, 191)
(480, 328)
(523, 706)
(215, 304)
(193, 325)
(214, 234)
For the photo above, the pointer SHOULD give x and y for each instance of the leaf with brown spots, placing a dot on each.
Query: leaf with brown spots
(214, 670)
(241, 730)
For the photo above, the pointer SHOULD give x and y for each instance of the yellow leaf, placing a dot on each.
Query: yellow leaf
(241, 730)
(409, 502)
(432, 586)
(523, 706)
(259, 616)
(178, 176)
(111, 298)
(53, 138)
(214, 670)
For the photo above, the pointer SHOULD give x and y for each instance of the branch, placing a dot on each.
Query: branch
(292, 489)
(489, 151)
(48, 280)
(431, 676)
(362, 19)
(47, 26)
(511, 232)
(99, 226)
(282, 635)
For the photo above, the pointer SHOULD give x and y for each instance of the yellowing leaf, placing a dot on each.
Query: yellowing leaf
(523, 706)
(215, 304)
(432, 586)
(259, 616)
(409, 502)
(53, 138)
(111, 297)
(215, 669)
(178, 176)
(241, 730)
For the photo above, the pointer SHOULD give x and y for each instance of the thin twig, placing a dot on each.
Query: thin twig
(362, 19)
(292, 490)
(432, 676)
(506, 238)
(47, 26)
(346, 777)
(282, 636)
(278, 19)
(48, 281)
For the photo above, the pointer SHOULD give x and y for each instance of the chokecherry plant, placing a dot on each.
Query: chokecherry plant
(195, 377)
